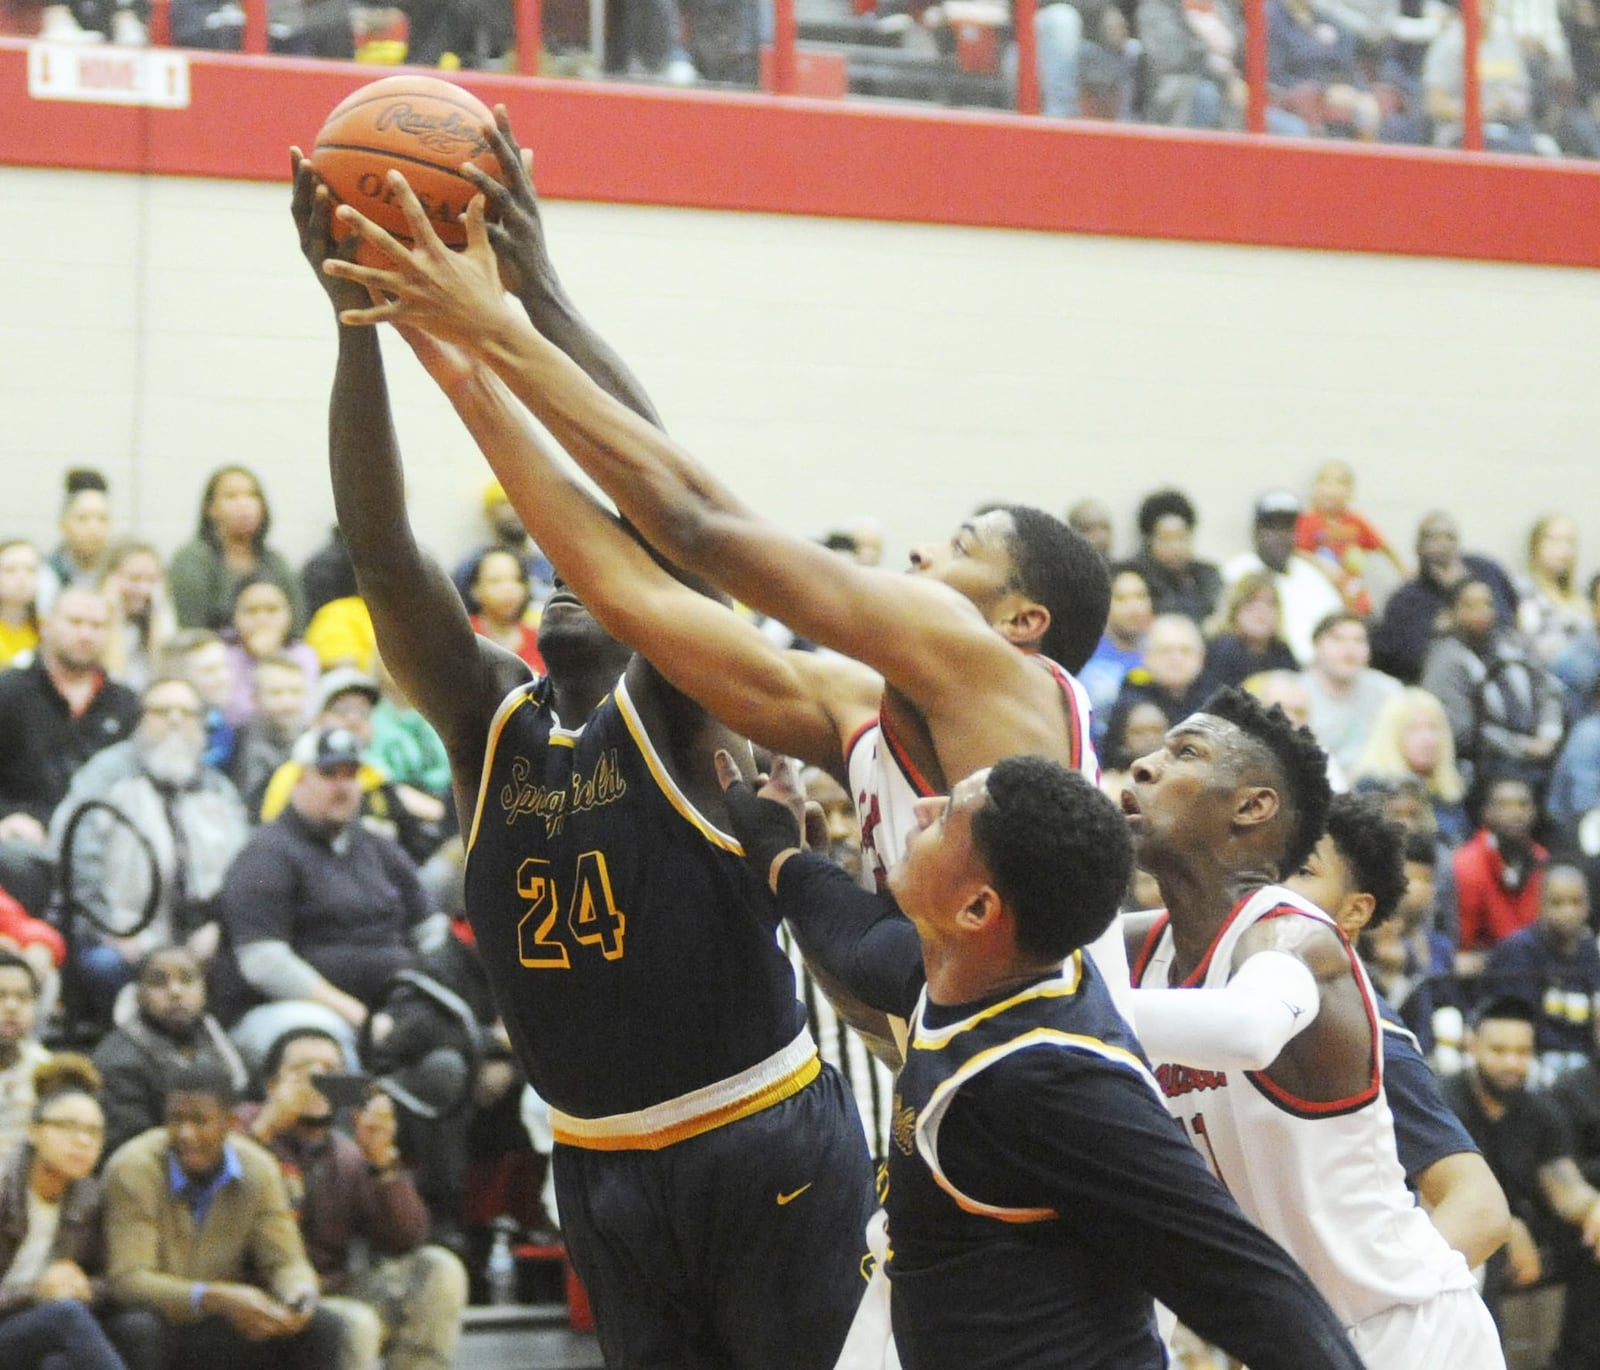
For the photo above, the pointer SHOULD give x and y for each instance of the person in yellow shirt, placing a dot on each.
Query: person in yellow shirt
(19, 585)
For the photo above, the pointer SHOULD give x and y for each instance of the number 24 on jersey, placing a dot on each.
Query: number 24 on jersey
(591, 919)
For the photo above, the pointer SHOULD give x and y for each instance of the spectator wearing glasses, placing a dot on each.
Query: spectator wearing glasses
(176, 827)
(51, 1251)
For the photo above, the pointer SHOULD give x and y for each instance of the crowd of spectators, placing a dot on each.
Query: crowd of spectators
(228, 867)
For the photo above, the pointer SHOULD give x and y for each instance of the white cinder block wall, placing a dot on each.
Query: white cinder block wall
(157, 328)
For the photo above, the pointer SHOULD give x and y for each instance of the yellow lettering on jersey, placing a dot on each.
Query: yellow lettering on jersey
(521, 797)
(903, 1127)
(594, 918)
(541, 950)
(604, 786)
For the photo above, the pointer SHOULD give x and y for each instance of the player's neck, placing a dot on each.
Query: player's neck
(577, 695)
(959, 974)
(1200, 896)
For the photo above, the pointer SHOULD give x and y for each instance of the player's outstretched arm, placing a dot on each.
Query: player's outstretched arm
(516, 232)
(1466, 1204)
(452, 677)
(790, 701)
(923, 637)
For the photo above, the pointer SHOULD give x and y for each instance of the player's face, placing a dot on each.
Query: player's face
(1325, 880)
(1181, 795)
(976, 561)
(570, 636)
(1502, 1052)
(933, 880)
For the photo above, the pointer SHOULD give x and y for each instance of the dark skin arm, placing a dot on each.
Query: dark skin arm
(455, 678)
(980, 698)
(1332, 1058)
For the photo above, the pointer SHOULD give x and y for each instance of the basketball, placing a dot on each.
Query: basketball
(420, 126)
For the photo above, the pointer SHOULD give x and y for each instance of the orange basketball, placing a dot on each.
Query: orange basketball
(419, 125)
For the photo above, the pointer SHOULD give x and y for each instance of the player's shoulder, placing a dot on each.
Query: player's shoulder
(1281, 920)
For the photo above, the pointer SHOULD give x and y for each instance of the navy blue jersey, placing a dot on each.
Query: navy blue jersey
(1426, 1129)
(1039, 1194)
(633, 955)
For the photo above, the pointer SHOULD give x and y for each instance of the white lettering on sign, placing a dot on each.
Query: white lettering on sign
(108, 76)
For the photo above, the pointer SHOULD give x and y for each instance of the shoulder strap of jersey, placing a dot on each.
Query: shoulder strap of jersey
(513, 701)
(663, 777)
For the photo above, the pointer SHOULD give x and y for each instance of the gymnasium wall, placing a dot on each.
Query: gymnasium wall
(157, 327)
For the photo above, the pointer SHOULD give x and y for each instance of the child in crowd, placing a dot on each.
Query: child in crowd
(263, 620)
(265, 741)
(1339, 539)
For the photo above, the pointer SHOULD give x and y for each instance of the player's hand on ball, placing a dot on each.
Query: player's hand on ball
(312, 208)
(516, 230)
(457, 296)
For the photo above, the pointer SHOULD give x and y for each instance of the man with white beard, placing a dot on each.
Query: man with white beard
(172, 823)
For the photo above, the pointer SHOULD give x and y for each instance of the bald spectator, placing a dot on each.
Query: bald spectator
(1174, 655)
(1419, 609)
(1091, 521)
(161, 845)
(54, 715)
(1346, 694)
(1305, 594)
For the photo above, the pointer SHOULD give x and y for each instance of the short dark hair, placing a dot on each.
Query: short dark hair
(1422, 848)
(1161, 503)
(210, 1078)
(1301, 768)
(1505, 1008)
(1373, 845)
(9, 960)
(841, 542)
(271, 1062)
(1328, 622)
(1057, 851)
(1056, 567)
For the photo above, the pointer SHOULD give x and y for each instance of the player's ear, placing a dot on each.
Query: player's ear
(1255, 805)
(1024, 622)
(981, 910)
(1356, 913)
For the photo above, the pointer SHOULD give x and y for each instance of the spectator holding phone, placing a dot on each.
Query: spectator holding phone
(345, 1188)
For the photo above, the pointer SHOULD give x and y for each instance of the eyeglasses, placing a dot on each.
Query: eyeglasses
(178, 711)
(89, 1132)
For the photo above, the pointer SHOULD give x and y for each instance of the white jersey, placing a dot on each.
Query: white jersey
(1321, 1178)
(886, 785)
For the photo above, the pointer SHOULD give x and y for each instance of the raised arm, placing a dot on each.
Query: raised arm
(794, 702)
(452, 676)
(922, 636)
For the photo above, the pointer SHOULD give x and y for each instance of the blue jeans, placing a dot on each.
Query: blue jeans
(61, 1335)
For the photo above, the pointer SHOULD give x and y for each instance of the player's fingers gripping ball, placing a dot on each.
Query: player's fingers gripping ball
(422, 127)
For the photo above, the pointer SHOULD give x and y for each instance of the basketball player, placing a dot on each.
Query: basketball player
(712, 1178)
(1038, 1192)
(970, 656)
(1265, 1036)
(1356, 874)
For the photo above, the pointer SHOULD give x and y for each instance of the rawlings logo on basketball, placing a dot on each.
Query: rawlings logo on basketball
(452, 132)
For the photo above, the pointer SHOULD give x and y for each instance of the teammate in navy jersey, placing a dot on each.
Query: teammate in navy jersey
(1264, 1033)
(1356, 874)
(1038, 1192)
(967, 660)
(713, 1178)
